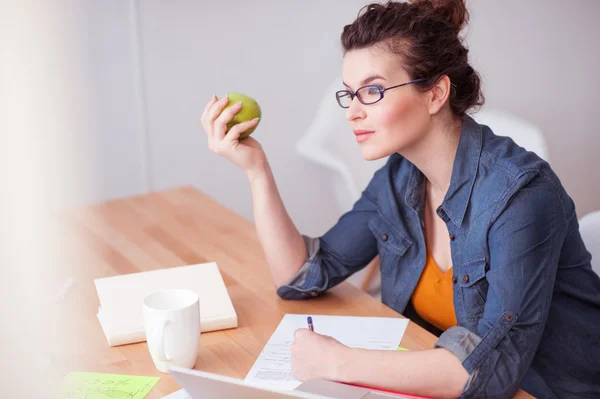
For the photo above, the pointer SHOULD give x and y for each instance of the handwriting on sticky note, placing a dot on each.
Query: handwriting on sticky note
(78, 385)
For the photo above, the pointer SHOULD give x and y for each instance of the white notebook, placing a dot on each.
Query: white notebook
(120, 312)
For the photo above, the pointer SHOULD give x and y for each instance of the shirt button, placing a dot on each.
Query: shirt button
(508, 318)
(452, 237)
(466, 278)
(384, 237)
(454, 279)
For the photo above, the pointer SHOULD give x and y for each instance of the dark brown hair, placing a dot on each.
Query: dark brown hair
(425, 34)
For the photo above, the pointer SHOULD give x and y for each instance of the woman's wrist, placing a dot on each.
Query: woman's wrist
(259, 170)
(341, 364)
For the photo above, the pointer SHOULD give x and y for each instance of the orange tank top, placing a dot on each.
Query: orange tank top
(433, 297)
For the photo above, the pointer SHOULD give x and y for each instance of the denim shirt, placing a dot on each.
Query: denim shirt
(526, 299)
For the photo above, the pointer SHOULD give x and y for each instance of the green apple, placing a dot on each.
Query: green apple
(249, 111)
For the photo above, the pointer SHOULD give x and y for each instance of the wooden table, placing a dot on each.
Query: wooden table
(173, 228)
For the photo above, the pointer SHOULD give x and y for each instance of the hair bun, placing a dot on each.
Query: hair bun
(454, 11)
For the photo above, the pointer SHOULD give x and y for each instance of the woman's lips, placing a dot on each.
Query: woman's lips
(363, 135)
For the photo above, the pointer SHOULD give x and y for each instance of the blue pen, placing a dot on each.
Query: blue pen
(310, 324)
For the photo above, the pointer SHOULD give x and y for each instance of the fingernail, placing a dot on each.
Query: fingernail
(256, 119)
(240, 103)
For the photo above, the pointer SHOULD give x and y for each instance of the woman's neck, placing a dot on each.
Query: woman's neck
(434, 154)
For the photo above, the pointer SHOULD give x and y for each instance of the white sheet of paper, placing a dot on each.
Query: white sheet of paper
(181, 394)
(273, 368)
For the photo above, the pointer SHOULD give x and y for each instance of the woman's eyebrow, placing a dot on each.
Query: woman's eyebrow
(367, 80)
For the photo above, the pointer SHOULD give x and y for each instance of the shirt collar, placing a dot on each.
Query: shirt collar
(464, 172)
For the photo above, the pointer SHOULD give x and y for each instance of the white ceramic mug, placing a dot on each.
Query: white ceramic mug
(172, 324)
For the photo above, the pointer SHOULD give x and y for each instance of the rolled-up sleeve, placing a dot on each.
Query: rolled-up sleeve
(525, 239)
(345, 249)
(310, 280)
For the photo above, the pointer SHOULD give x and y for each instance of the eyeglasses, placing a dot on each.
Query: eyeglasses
(367, 94)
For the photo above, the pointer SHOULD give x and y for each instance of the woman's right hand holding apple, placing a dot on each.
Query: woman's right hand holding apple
(246, 153)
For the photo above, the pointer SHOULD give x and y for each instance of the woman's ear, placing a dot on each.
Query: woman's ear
(438, 95)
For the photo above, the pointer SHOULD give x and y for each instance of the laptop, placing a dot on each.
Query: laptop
(203, 385)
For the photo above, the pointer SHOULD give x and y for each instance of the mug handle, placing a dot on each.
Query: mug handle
(160, 344)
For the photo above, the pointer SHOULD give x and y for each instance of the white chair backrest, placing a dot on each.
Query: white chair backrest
(589, 227)
(330, 142)
(522, 132)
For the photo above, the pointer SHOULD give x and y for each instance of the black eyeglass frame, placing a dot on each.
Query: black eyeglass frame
(381, 90)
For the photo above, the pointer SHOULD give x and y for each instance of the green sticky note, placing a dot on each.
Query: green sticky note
(400, 348)
(78, 385)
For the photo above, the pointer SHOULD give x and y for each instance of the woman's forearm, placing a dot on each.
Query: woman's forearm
(282, 243)
(435, 373)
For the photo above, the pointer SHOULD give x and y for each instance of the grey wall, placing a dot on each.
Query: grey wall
(157, 63)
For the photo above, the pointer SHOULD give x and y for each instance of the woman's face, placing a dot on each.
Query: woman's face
(399, 120)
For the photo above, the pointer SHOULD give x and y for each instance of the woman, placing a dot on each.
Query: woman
(477, 238)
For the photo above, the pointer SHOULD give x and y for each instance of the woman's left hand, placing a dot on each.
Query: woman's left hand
(316, 356)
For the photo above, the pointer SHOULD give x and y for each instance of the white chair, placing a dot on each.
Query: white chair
(329, 142)
(589, 227)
